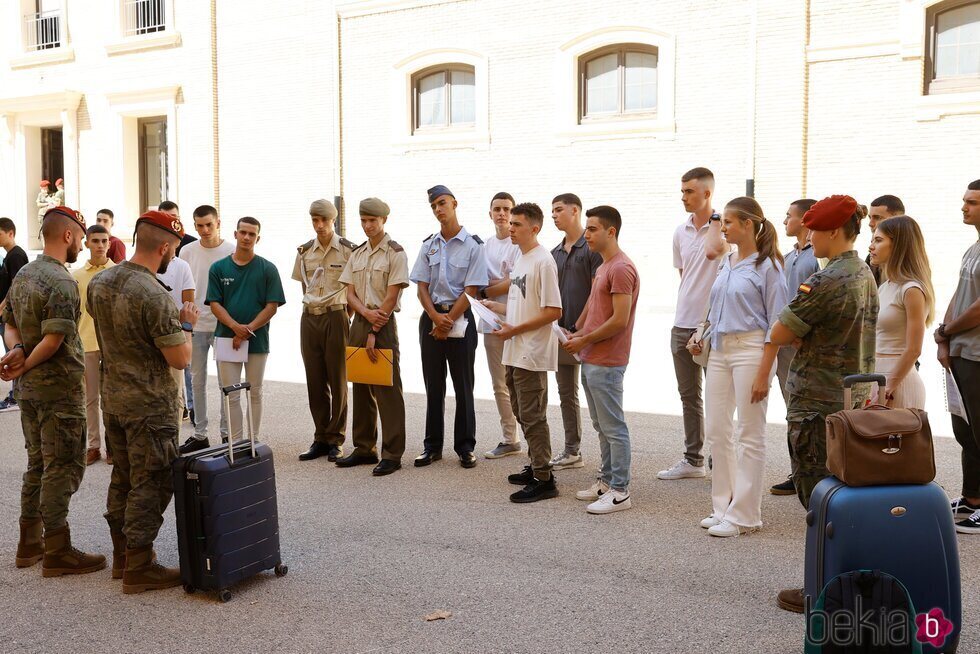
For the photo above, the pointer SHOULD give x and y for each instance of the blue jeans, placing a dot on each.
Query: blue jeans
(189, 387)
(604, 392)
(201, 342)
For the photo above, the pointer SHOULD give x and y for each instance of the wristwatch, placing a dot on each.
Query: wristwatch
(187, 327)
(482, 294)
(941, 330)
(715, 217)
(20, 346)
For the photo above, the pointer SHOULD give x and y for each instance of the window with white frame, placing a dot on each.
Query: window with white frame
(43, 27)
(143, 16)
(618, 81)
(444, 97)
(953, 47)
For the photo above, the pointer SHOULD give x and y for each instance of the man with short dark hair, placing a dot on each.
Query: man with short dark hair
(41, 317)
(882, 208)
(958, 338)
(172, 210)
(577, 265)
(603, 342)
(697, 245)
(117, 249)
(244, 293)
(12, 263)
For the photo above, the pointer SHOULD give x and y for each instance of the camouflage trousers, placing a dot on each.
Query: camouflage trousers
(143, 449)
(54, 435)
(808, 454)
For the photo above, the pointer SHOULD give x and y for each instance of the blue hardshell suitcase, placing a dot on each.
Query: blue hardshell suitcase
(227, 515)
(904, 530)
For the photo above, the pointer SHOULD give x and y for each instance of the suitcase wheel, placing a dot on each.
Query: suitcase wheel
(281, 570)
(189, 589)
(224, 595)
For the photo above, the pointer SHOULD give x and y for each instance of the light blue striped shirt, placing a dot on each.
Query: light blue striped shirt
(746, 297)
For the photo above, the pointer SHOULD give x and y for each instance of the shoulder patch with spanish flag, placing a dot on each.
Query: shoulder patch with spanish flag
(805, 288)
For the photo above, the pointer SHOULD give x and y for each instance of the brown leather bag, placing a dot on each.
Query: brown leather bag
(878, 445)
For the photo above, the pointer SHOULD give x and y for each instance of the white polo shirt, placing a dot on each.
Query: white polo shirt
(697, 273)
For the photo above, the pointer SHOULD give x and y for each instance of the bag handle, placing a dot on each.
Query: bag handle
(850, 380)
(227, 391)
(379, 350)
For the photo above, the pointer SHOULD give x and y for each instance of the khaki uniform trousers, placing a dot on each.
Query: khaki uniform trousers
(371, 400)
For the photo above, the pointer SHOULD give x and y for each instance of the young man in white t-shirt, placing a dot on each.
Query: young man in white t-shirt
(180, 281)
(200, 255)
(531, 348)
(500, 253)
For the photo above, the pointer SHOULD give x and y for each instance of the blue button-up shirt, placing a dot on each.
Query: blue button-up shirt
(798, 265)
(448, 267)
(746, 298)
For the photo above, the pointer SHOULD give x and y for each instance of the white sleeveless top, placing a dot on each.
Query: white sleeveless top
(892, 320)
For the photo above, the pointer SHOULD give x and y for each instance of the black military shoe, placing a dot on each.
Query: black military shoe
(783, 488)
(352, 460)
(426, 458)
(467, 460)
(334, 452)
(386, 467)
(317, 449)
(536, 490)
(193, 445)
(522, 478)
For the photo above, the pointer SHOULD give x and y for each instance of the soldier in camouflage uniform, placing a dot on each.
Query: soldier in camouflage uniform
(141, 336)
(41, 318)
(833, 316)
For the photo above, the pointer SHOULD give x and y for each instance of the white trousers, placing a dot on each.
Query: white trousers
(738, 448)
(230, 373)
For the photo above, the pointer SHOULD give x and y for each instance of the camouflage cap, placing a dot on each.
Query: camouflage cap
(163, 221)
(66, 212)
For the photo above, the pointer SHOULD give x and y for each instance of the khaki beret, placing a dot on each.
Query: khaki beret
(374, 207)
(323, 208)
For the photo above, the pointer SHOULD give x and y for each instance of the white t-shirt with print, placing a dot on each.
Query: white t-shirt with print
(500, 255)
(533, 286)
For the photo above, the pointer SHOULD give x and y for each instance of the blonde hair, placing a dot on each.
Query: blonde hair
(908, 261)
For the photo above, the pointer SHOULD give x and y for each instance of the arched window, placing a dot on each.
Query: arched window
(953, 47)
(618, 81)
(444, 97)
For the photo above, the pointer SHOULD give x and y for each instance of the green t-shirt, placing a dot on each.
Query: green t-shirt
(244, 291)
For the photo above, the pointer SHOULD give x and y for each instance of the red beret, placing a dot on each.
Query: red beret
(830, 213)
(58, 181)
(66, 212)
(164, 221)
(44, 183)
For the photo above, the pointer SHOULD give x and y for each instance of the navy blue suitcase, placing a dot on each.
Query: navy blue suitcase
(904, 530)
(227, 515)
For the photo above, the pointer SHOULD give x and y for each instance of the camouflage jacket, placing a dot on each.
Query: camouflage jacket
(43, 299)
(134, 318)
(834, 313)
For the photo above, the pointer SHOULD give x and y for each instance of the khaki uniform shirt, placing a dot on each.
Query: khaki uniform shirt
(43, 299)
(372, 271)
(134, 318)
(319, 269)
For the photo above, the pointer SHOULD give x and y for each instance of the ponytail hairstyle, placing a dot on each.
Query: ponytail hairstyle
(766, 238)
(908, 261)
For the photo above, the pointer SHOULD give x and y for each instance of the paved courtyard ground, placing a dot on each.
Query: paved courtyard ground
(369, 558)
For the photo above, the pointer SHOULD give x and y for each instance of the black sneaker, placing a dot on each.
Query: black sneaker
(522, 478)
(536, 490)
(193, 445)
(962, 509)
(784, 488)
(971, 525)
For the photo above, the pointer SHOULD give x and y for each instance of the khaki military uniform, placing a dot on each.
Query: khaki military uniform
(834, 312)
(43, 299)
(323, 330)
(370, 271)
(134, 318)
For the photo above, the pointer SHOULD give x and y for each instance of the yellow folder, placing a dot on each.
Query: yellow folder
(360, 370)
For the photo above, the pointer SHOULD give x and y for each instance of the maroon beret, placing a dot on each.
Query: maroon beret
(830, 213)
(67, 213)
(164, 221)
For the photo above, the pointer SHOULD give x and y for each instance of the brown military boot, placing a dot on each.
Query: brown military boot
(60, 558)
(144, 573)
(30, 549)
(118, 553)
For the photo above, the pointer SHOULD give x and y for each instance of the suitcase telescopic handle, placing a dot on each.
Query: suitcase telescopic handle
(234, 388)
(850, 380)
(227, 391)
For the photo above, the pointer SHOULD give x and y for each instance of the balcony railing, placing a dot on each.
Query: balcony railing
(43, 30)
(144, 16)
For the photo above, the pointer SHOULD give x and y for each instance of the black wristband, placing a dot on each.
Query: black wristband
(482, 294)
(18, 346)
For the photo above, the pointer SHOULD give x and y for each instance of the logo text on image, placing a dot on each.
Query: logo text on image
(873, 627)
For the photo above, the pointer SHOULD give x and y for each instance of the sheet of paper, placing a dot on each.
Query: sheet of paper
(954, 401)
(224, 350)
(459, 328)
(483, 313)
(562, 337)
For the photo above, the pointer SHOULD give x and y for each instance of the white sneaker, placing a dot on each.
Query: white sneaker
(610, 502)
(681, 470)
(566, 461)
(710, 522)
(725, 529)
(593, 492)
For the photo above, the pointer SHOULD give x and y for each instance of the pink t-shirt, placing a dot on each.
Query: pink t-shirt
(618, 275)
